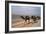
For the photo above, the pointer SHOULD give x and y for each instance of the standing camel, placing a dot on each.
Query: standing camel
(27, 19)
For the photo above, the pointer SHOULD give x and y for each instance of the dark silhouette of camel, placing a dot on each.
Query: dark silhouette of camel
(26, 18)
(32, 17)
(35, 18)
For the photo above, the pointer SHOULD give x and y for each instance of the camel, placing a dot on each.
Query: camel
(27, 18)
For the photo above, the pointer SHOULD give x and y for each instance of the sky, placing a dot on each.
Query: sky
(26, 10)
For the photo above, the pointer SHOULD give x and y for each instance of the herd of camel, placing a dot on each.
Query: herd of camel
(35, 18)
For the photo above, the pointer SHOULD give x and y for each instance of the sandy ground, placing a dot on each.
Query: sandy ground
(17, 23)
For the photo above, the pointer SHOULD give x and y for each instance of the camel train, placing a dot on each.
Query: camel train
(27, 18)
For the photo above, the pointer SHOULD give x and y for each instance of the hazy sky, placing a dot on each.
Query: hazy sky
(26, 10)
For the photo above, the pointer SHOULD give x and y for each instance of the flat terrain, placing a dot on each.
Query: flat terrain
(18, 23)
